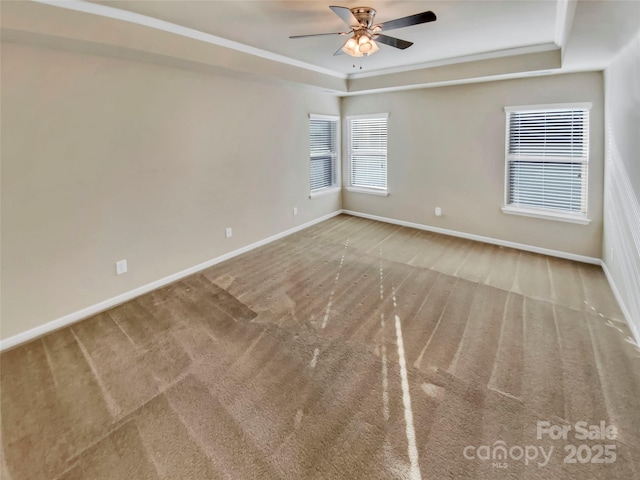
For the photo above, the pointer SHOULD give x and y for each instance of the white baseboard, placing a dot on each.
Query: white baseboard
(519, 246)
(623, 308)
(111, 302)
(124, 297)
(479, 238)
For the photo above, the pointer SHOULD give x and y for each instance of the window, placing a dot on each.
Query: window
(367, 153)
(323, 146)
(547, 156)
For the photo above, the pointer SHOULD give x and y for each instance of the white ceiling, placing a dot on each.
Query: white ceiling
(462, 28)
(475, 40)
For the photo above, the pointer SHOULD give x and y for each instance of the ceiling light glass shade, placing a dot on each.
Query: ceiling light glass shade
(363, 39)
(351, 48)
(365, 47)
(360, 46)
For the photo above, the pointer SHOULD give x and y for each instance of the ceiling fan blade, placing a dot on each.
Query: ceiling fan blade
(345, 14)
(416, 19)
(393, 42)
(319, 34)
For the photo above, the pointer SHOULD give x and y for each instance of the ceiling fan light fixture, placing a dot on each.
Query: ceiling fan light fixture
(360, 45)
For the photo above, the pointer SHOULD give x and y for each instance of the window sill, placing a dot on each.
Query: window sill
(546, 215)
(369, 191)
(324, 191)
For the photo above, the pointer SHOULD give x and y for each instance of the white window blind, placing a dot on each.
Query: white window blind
(547, 159)
(367, 149)
(323, 145)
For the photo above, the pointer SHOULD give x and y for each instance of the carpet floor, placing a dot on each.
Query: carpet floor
(351, 350)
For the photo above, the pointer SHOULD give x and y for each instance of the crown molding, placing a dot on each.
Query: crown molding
(144, 20)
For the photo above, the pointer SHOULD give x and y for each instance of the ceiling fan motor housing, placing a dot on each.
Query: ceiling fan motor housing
(364, 15)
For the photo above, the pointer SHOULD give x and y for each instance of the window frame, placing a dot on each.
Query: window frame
(371, 190)
(335, 156)
(542, 212)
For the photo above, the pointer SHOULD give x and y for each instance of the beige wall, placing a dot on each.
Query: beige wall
(622, 93)
(446, 149)
(621, 252)
(105, 159)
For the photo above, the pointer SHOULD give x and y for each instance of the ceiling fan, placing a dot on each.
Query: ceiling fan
(365, 33)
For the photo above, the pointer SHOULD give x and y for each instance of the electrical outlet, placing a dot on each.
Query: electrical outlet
(295, 211)
(121, 267)
(228, 232)
(438, 212)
